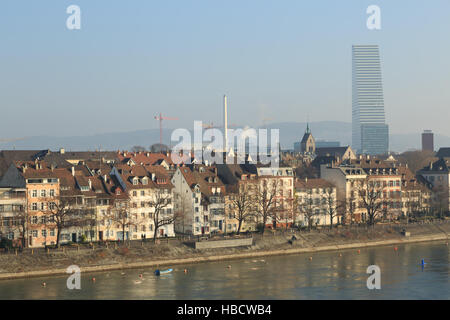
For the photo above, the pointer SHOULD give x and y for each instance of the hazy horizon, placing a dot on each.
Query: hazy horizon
(287, 62)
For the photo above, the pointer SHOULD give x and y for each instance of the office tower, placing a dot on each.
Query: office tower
(427, 140)
(370, 133)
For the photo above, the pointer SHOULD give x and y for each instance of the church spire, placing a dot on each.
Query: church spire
(307, 128)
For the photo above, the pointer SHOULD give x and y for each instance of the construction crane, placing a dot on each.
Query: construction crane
(211, 125)
(11, 140)
(161, 118)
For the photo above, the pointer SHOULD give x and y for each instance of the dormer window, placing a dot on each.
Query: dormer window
(135, 181)
(144, 180)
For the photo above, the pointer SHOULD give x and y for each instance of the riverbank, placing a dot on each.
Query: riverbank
(105, 259)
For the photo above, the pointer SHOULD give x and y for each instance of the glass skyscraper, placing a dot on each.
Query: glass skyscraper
(370, 133)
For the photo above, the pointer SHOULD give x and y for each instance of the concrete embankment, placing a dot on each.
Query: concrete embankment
(243, 255)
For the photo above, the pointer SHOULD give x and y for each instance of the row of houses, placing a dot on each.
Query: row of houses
(58, 197)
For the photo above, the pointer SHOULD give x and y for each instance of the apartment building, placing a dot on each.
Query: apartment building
(347, 179)
(386, 177)
(437, 173)
(42, 189)
(316, 199)
(13, 203)
(240, 179)
(199, 200)
(150, 201)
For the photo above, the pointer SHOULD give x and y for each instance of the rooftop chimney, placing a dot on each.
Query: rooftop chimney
(90, 184)
(73, 171)
(225, 123)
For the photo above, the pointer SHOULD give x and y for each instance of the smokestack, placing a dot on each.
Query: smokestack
(225, 123)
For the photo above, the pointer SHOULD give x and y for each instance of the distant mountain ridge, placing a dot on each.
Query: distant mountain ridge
(290, 132)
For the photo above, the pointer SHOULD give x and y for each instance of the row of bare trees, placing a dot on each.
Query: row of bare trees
(65, 213)
(259, 202)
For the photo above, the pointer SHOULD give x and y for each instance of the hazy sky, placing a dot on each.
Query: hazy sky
(274, 59)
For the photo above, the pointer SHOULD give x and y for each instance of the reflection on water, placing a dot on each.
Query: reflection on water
(328, 275)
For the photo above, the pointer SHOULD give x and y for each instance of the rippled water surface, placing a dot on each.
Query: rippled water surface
(329, 275)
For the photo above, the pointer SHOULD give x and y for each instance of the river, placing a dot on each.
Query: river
(329, 275)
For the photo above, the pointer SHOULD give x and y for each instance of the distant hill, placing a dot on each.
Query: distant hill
(290, 132)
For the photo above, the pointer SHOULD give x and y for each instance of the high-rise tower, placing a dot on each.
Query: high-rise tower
(370, 133)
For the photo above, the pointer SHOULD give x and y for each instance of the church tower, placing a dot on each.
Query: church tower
(308, 144)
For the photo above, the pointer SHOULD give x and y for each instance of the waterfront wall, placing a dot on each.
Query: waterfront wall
(223, 243)
(245, 255)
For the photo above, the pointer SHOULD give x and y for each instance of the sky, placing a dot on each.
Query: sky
(286, 60)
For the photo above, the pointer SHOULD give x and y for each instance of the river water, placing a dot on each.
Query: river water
(329, 275)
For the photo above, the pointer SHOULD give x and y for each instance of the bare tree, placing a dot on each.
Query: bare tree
(371, 200)
(20, 222)
(440, 201)
(181, 210)
(295, 209)
(243, 203)
(416, 160)
(265, 199)
(308, 208)
(331, 204)
(121, 217)
(62, 215)
(161, 217)
(137, 148)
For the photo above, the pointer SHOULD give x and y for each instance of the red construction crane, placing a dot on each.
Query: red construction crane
(161, 118)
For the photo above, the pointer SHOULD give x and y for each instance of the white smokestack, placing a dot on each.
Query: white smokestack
(225, 123)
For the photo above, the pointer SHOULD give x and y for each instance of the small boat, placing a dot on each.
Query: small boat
(159, 272)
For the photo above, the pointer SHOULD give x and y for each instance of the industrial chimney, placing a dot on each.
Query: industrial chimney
(225, 123)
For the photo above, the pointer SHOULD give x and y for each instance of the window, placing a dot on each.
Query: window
(34, 193)
(52, 192)
(150, 227)
(142, 204)
(142, 193)
(197, 219)
(43, 193)
(35, 233)
(51, 205)
(34, 220)
(52, 232)
(43, 220)
(134, 193)
(34, 206)
(143, 228)
(196, 209)
(44, 233)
